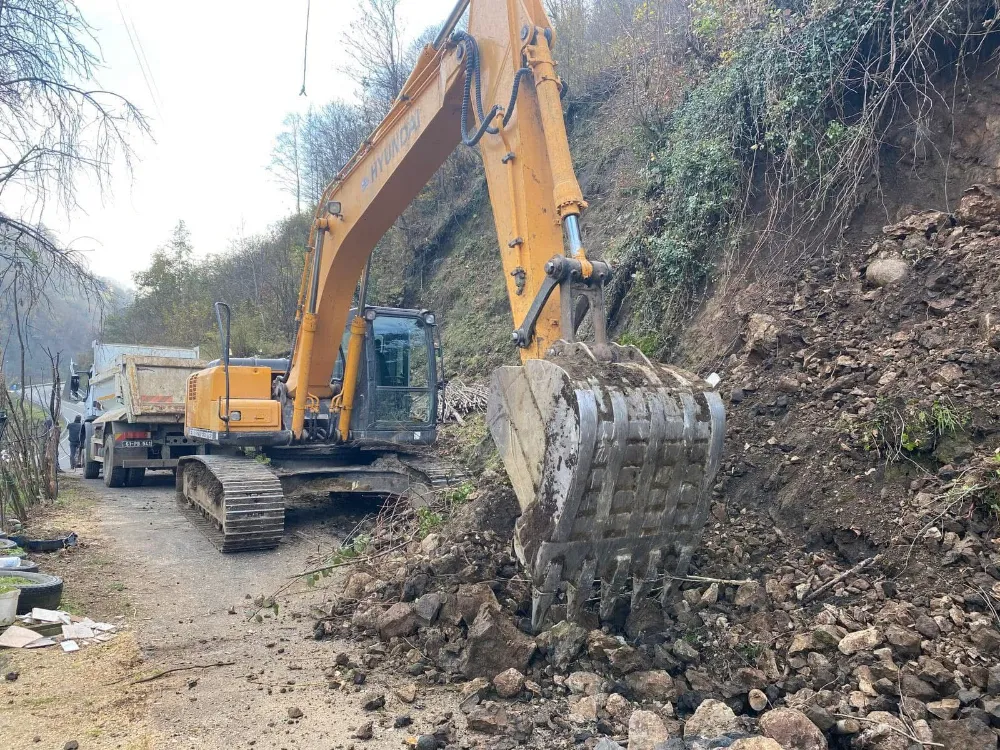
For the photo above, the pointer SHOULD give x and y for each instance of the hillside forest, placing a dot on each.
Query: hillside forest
(718, 144)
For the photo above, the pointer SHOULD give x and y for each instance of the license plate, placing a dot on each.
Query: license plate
(137, 443)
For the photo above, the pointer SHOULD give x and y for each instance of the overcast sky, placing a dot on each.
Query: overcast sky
(222, 75)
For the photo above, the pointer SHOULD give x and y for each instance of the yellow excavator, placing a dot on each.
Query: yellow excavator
(611, 456)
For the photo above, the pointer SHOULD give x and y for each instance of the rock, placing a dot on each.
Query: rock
(427, 607)
(964, 734)
(756, 743)
(426, 742)
(358, 585)
(407, 693)
(912, 686)
(489, 719)
(979, 205)
(71, 745)
(993, 682)
(711, 719)
(471, 597)
(827, 636)
(987, 641)
(562, 642)
(294, 712)
(757, 699)
(366, 618)
(945, 708)
(494, 645)
(618, 708)
(399, 620)
(847, 726)
(373, 701)
(508, 683)
(762, 334)
(646, 730)
(584, 708)
(626, 659)
(860, 640)
(819, 716)
(801, 643)
(366, 731)
(927, 627)
(401, 721)
(747, 594)
(792, 730)
(584, 683)
(606, 743)
(711, 595)
(656, 685)
(479, 687)
(600, 644)
(889, 270)
(684, 651)
(430, 543)
(903, 640)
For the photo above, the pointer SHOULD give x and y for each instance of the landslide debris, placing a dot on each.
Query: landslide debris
(847, 588)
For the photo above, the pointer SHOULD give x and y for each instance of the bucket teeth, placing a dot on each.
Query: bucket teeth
(611, 463)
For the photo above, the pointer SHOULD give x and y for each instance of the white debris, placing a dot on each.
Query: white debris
(69, 646)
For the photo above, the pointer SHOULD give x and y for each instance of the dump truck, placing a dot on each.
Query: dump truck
(133, 398)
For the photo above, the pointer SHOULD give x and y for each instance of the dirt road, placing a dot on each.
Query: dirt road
(185, 604)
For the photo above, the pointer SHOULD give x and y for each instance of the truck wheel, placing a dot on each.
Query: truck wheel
(135, 477)
(114, 476)
(91, 469)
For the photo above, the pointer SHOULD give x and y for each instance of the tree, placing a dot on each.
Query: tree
(375, 40)
(286, 159)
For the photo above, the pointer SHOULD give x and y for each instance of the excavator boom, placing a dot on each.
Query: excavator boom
(611, 455)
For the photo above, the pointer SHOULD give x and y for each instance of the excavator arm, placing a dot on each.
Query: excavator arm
(505, 60)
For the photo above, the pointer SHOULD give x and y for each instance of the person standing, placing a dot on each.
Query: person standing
(76, 434)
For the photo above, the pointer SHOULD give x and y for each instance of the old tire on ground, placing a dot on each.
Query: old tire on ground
(91, 469)
(44, 590)
(26, 566)
(135, 477)
(114, 476)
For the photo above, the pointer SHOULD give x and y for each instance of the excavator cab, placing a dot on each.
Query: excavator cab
(399, 381)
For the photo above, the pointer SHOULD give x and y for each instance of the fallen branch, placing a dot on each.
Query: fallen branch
(908, 736)
(165, 672)
(837, 579)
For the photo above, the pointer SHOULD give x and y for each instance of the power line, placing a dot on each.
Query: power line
(305, 50)
(139, 60)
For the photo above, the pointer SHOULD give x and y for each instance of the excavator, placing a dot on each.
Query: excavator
(611, 455)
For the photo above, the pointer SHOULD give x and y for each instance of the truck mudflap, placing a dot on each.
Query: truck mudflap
(612, 464)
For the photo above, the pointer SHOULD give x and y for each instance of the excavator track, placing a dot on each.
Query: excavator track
(240, 500)
(612, 463)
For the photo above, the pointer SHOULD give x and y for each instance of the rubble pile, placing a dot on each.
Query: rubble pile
(847, 590)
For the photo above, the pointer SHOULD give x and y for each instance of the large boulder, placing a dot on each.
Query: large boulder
(756, 743)
(980, 204)
(887, 271)
(656, 685)
(494, 645)
(792, 729)
(964, 734)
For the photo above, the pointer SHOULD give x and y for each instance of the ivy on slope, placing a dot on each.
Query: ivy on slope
(791, 116)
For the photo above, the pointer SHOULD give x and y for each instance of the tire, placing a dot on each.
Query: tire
(135, 477)
(26, 566)
(91, 469)
(45, 591)
(114, 476)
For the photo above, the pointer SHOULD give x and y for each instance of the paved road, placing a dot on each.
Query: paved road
(39, 394)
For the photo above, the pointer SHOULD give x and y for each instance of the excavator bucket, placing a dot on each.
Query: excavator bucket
(611, 463)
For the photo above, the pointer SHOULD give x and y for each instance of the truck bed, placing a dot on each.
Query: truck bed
(148, 388)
